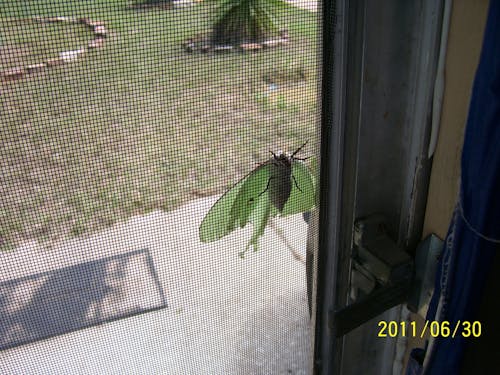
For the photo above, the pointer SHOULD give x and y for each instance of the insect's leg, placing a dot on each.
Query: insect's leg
(241, 254)
(251, 200)
(302, 159)
(267, 187)
(294, 180)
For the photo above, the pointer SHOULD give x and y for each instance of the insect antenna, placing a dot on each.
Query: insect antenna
(297, 150)
(274, 155)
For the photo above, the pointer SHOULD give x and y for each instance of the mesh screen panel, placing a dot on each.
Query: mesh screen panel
(122, 123)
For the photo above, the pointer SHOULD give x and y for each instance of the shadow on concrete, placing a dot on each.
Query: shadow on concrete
(67, 299)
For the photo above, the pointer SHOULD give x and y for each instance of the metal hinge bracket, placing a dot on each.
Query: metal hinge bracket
(381, 274)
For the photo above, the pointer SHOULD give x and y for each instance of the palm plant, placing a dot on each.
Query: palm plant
(245, 21)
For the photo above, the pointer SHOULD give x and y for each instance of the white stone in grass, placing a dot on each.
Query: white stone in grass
(96, 43)
(35, 67)
(100, 30)
(222, 48)
(69, 56)
(250, 47)
(182, 3)
(66, 19)
(54, 62)
(12, 74)
(281, 41)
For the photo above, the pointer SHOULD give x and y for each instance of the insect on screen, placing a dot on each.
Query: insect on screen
(149, 221)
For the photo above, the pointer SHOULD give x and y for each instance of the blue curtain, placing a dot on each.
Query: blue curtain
(473, 237)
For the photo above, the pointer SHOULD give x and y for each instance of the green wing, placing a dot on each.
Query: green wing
(251, 193)
(304, 199)
(248, 201)
(259, 217)
(235, 206)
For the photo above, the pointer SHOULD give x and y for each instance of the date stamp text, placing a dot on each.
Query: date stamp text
(431, 327)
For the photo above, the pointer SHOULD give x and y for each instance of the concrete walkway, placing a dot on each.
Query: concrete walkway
(225, 315)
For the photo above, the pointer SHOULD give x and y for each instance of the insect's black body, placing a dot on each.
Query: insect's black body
(280, 183)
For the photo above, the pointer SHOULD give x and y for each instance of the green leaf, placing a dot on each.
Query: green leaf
(240, 21)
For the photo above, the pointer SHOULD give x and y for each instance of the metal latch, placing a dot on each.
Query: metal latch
(381, 274)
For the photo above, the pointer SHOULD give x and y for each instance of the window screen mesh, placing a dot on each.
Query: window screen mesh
(121, 123)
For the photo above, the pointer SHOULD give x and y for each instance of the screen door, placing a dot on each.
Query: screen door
(158, 166)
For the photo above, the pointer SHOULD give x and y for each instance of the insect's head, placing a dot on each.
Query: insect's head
(285, 157)
(282, 157)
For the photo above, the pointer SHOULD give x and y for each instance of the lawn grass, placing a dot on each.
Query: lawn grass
(140, 125)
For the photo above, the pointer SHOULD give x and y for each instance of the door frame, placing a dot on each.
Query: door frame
(378, 75)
